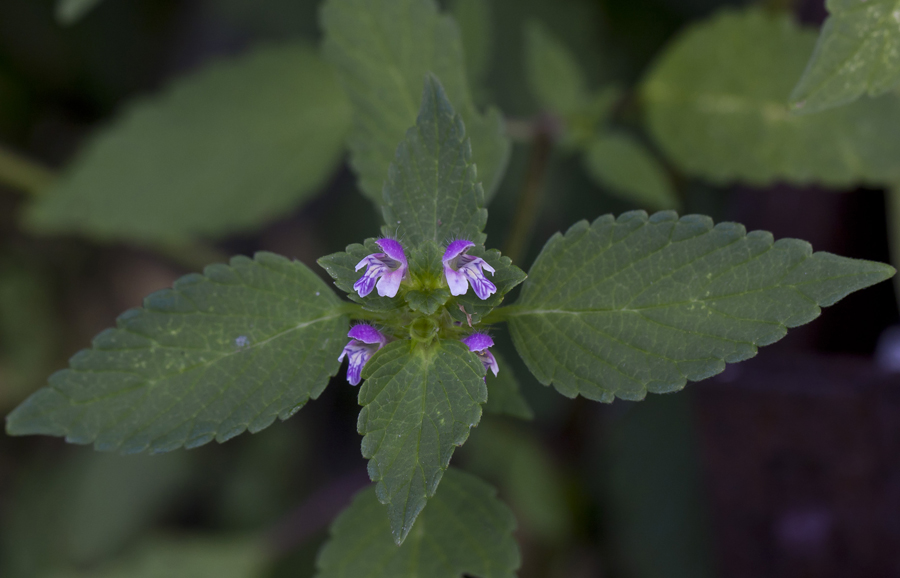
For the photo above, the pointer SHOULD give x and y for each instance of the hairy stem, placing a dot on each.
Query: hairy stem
(530, 197)
(23, 174)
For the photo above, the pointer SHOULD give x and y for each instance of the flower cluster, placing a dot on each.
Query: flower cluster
(386, 271)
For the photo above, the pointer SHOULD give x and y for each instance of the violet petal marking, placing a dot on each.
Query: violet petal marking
(365, 340)
(462, 270)
(387, 269)
(478, 344)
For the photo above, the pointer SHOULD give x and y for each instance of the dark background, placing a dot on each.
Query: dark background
(785, 465)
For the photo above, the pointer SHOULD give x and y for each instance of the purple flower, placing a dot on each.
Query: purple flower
(463, 270)
(387, 268)
(365, 340)
(478, 344)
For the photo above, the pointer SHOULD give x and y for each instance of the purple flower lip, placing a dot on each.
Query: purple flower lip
(478, 344)
(457, 248)
(462, 270)
(384, 271)
(478, 341)
(392, 249)
(366, 333)
(365, 340)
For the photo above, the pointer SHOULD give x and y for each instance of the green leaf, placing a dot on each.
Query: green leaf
(223, 150)
(186, 557)
(382, 50)
(113, 498)
(528, 476)
(71, 11)
(858, 52)
(220, 353)
(505, 278)
(431, 193)
(504, 393)
(82, 507)
(624, 306)
(555, 77)
(474, 20)
(465, 531)
(619, 162)
(418, 406)
(716, 103)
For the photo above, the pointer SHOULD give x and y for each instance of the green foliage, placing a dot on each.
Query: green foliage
(71, 11)
(504, 393)
(858, 52)
(82, 508)
(617, 161)
(624, 306)
(466, 530)
(555, 77)
(226, 149)
(185, 557)
(528, 477)
(716, 102)
(474, 19)
(418, 406)
(431, 193)
(218, 354)
(382, 50)
(560, 86)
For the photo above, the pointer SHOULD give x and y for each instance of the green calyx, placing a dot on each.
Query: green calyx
(423, 308)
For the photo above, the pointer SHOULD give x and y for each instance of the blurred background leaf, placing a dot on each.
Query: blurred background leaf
(857, 53)
(184, 557)
(622, 165)
(716, 101)
(71, 11)
(224, 150)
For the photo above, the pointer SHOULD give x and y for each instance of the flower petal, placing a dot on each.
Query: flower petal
(478, 341)
(490, 362)
(393, 249)
(389, 283)
(480, 284)
(456, 281)
(456, 248)
(367, 334)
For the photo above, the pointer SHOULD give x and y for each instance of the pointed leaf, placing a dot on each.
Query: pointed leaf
(418, 406)
(466, 531)
(226, 149)
(382, 50)
(716, 103)
(431, 193)
(624, 306)
(618, 161)
(858, 52)
(218, 354)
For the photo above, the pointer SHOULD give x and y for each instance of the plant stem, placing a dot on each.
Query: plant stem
(530, 197)
(23, 174)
